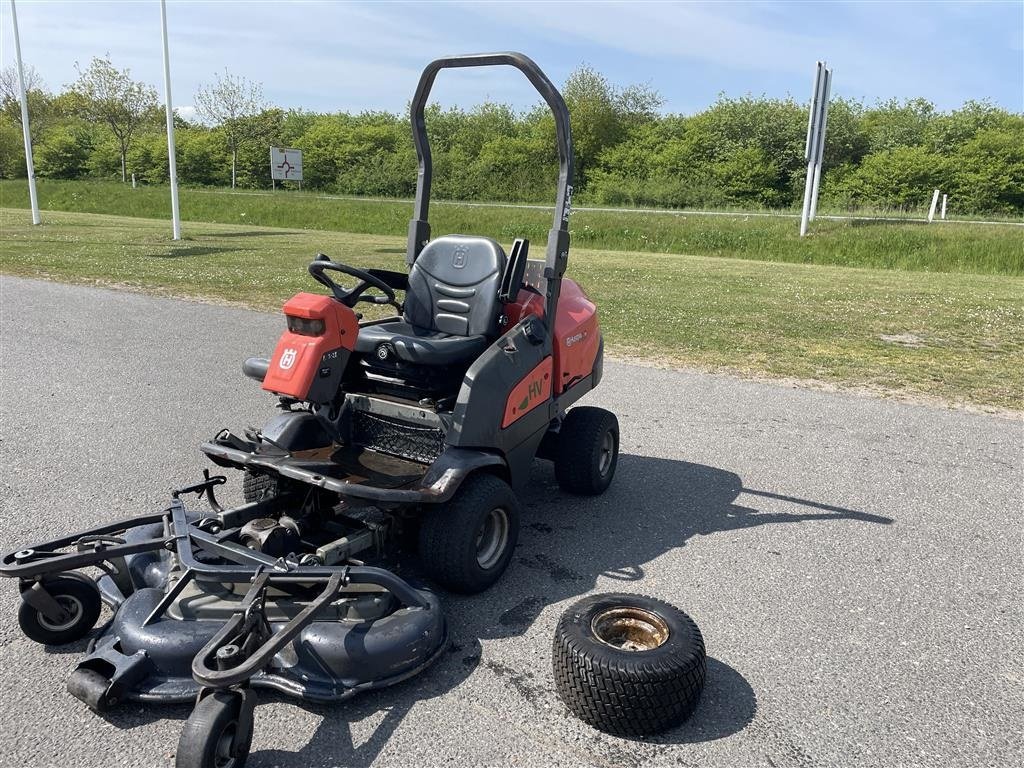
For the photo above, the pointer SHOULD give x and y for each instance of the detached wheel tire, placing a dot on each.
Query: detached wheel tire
(80, 602)
(628, 665)
(587, 451)
(256, 487)
(466, 544)
(210, 738)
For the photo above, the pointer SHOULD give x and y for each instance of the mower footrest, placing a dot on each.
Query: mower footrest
(103, 679)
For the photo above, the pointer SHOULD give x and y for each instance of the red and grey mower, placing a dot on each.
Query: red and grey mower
(398, 442)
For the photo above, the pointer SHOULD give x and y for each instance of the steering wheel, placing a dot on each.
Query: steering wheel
(351, 296)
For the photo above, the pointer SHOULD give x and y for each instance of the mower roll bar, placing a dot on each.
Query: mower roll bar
(558, 237)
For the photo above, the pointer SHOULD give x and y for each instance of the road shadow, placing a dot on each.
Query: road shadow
(654, 506)
(333, 743)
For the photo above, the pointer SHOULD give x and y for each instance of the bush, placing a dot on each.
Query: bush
(63, 153)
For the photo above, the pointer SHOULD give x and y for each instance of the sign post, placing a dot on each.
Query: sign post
(285, 165)
(814, 150)
(931, 209)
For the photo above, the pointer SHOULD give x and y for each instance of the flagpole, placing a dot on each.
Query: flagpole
(172, 161)
(29, 165)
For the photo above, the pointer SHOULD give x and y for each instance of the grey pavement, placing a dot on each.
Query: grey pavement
(854, 564)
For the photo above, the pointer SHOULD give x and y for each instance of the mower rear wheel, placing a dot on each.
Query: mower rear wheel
(80, 603)
(210, 738)
(466, 544)
(587, 451)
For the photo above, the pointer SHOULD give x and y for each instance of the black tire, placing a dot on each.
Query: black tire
(466, 544)
(209, 738)
(80, 600)
(256, 487)
(644, 676)
(587, 451)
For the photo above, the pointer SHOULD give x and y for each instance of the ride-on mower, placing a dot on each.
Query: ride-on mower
(417, 427)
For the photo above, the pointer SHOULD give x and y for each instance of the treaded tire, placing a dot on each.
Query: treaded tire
(256, 487)
(628, 692)
(208, 738)
(448, 542)
(78, 596)
(581, 464)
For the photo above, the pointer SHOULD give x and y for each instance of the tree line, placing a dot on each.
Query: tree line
(740, 152)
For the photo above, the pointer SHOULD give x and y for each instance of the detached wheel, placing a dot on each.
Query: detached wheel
(80, 604)
(467, 543)
(587, 451)
(215, 734)
(256, 487)
(628, 665)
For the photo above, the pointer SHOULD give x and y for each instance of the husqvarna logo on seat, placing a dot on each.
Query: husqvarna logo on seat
(382, 352)
(459, 256)
(287, 359)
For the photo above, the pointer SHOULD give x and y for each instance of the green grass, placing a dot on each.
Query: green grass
(755, 318)
(909, 246)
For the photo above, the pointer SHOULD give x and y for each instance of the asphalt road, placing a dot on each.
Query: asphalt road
(855, 564)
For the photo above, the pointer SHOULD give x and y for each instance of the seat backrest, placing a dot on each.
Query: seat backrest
(453, 286)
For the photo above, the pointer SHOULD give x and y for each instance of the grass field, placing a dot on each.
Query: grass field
(958, 337)
(947, 247)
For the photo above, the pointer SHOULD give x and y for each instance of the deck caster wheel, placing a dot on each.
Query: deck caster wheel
(218, 733)
(628, 665)
(59, 610)
(587, 450)
(466, 544)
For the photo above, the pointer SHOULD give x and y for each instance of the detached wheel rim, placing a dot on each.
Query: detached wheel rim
(492, 538)
(72, 608)
(604, 460)
(630, 629)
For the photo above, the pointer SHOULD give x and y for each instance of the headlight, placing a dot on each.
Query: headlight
(305, 327)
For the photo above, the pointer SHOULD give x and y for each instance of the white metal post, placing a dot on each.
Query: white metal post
(935, 202)
(811, 149)
(172, 160)
(29, 165)
(823, 123)
(943, 207)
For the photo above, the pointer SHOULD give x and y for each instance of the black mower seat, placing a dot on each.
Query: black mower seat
(451, 306)
(398, 338)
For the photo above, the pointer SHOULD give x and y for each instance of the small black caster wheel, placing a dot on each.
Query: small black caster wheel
(79, 602)
(218, 733)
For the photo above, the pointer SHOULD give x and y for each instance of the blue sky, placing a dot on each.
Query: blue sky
(355, 56)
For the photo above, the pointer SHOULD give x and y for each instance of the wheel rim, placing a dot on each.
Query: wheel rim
(604, 461)
(222, 757)
(492, 538)
(630, 629)
(72, 608)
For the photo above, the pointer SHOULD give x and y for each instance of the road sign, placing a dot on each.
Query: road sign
(285, 164)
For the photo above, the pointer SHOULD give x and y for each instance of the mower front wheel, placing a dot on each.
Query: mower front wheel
(218, 733)
(587, 450)
(466, 544)
(80, 605)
